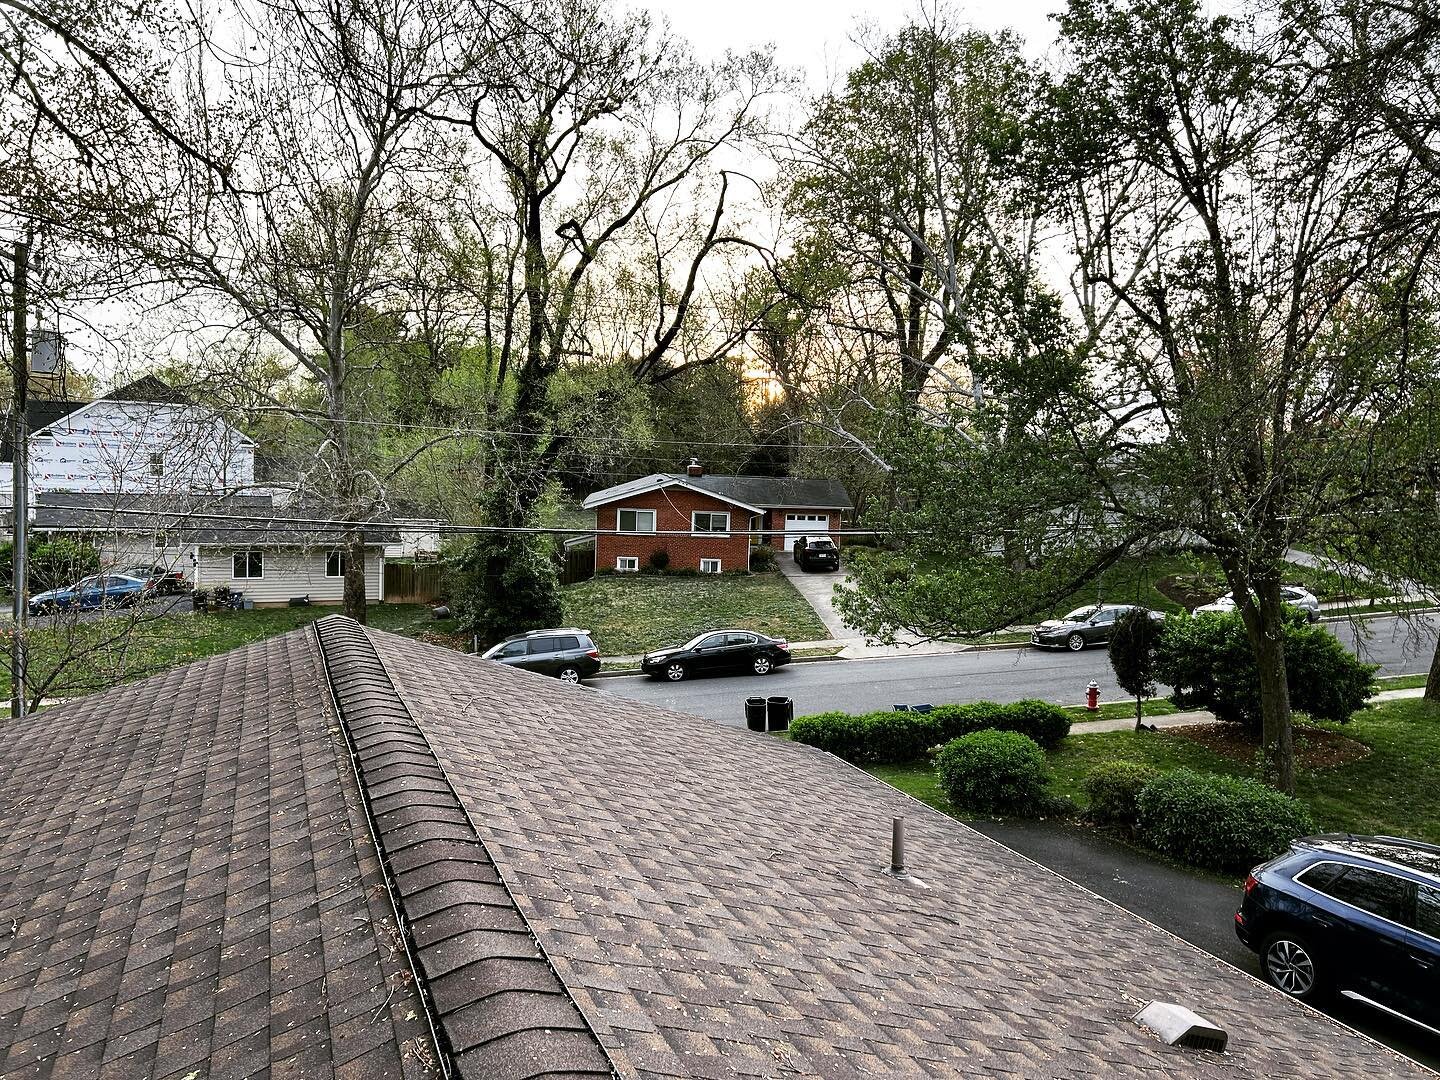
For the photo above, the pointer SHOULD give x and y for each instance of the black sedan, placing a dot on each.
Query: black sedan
(1089, 625)
(719, 652)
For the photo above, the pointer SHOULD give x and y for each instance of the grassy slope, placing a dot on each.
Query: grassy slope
(1392, 791)
(161, 643)
(630, 614)
(1132, 581)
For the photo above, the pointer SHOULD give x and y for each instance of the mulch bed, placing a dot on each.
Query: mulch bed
(1315, 748)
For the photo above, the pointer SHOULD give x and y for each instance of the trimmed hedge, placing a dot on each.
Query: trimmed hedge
(894, 738)
(1114, 791)
(993, 771)
(1224, 822)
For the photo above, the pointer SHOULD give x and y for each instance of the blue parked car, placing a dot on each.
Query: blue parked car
(102, 590)
(1357, 916)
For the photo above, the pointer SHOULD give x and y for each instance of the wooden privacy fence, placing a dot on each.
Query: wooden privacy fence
(412, 583)
(577, 563)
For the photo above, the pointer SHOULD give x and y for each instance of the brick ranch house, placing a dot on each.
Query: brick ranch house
(709, 518)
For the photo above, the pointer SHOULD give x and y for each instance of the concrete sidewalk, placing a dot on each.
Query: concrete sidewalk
(1201, 716)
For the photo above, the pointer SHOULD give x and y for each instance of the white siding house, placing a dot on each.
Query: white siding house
(271, 575)
(142, 438)
(240, 542)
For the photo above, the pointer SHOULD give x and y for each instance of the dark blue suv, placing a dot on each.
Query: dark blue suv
(1353, 915)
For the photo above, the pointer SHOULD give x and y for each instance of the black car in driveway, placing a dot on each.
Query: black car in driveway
(1089, 625)
(817, 553)
(717, 652)
(1353, 915)
(568, 654)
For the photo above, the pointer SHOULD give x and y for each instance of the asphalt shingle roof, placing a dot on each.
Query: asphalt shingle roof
(586, 883)
(214, 520)
(762, 492)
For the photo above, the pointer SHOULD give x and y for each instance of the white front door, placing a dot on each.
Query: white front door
(797, 525)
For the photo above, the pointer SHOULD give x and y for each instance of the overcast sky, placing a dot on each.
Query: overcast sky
(815, 35)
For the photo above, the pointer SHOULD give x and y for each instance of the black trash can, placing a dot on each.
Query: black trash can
(755, 713)
(778, 713)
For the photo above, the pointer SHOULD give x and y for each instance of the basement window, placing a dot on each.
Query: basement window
(627, 563)
(709, 566)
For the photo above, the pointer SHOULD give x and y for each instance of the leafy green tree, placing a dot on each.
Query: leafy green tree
(502, 584)
(1133, 644)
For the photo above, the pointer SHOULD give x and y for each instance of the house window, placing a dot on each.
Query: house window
(709, 566)
(635, 521)
(157, 464)
(705, 522)
(336, 564)
(249, 564)
(627, 562)
(162, 541)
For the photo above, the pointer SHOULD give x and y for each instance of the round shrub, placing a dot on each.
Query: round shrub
(1045, 723)
(837, 733)
(762, 557)
(659, 559)
(957, 720)
(893, 738)
(993, 771)
(1223, 822)
(1114, 787)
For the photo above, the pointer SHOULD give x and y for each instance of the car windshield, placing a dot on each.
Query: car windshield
(822, 544)
(1080, 614)
(695, 641)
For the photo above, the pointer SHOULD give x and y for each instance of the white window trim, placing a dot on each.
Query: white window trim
(634, 560)
(248, 552)
(719, 567)
(340, 563)
(637, 510)
(709, 513)
(157, 465)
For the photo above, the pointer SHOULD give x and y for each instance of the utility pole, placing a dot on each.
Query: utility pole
(20, 482)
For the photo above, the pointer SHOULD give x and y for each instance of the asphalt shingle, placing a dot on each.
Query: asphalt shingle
(188, 885)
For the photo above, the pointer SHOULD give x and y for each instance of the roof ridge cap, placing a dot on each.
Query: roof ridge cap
(441, 877)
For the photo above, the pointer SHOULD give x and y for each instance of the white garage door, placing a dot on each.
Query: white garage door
(802, 525)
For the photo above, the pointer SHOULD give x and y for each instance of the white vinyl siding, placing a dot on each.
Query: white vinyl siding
(709, 566)
(635, 521)
(289, 573)
(710, 523)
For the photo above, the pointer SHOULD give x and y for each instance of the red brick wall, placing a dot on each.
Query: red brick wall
(673, 507)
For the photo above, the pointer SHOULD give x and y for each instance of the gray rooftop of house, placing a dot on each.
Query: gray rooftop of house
(761, 492)
(238, 520)
(204, 871)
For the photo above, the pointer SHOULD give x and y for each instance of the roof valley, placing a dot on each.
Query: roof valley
(496, 1003)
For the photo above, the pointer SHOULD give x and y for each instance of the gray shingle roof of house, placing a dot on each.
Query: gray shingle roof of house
(762, 492)
(588, 883)
(218, 520)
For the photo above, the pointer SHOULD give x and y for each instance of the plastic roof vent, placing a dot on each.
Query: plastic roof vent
(1178, 1026)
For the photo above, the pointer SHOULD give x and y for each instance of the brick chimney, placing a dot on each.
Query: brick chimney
(695, 468)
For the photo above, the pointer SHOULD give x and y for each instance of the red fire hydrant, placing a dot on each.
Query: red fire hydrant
(1092, 697)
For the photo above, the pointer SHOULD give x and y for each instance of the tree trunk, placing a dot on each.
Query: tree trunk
(1276, 735)
(1432, 681)
(355, 575)
(1139, 712)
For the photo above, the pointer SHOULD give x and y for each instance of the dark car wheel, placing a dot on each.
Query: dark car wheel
(762, 665)
(675, 671)
(569, 673)
(1075, 642)
(1289, 965)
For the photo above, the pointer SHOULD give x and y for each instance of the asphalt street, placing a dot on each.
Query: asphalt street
(1398, 646)
(1196, 907)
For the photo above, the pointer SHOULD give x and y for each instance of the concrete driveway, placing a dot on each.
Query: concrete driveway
(818, 589)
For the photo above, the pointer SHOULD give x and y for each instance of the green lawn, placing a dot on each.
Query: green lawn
(630, 613)
(156, 644)
(1392, 791)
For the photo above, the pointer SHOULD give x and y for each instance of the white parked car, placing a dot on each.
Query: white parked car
(1294, 595)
